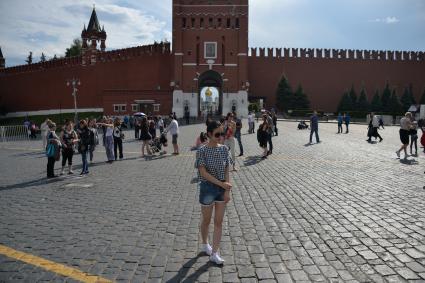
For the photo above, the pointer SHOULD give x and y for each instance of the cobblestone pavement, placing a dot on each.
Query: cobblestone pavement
(343, 210)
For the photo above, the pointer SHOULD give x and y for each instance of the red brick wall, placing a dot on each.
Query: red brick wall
(46, 89)
(325, 79)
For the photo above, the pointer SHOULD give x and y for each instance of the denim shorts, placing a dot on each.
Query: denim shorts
(210, 193)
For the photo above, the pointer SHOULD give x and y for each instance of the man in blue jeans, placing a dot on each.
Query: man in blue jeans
(314, 126)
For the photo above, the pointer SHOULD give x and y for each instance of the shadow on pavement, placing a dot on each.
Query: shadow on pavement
(180, 276)
(32, 183)
(409, 161)
(252, 160)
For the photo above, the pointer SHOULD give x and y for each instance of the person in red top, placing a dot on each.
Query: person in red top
(229, 138)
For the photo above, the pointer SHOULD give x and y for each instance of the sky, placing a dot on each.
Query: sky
(49, 26)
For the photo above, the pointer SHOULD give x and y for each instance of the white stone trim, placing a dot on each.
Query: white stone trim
(189, 64)
(242, 54)
(230, 65)
(51, 112)
(178, 54)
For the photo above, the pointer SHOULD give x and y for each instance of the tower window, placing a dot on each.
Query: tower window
(237, 23)
(210, 23)
(210, 50)
(228, 23)
(219, 22)
(184, 23)
(193, 22)
(202, 23)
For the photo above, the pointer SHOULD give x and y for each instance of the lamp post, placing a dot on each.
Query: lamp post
(74, 82)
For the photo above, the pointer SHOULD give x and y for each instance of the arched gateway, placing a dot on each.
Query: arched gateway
(210, 47)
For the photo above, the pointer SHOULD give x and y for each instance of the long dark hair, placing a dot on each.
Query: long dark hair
(212, 126)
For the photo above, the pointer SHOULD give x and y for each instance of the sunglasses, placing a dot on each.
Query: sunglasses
(217, 135)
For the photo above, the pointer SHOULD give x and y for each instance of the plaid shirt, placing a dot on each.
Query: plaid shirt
(215, 160)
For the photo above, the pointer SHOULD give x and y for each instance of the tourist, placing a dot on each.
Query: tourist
(375, 126)
(314, 127)
(94, 138)
(229, 137)
(83, 147)
(414, 137)
(423, 136)
(347, 120)
(405, 126)
(44, 127)
(125, 122)
(160, 125)
(238, 133)
(109, 139)
(340, 118)
(136, 128)
(68, 139)
(118, 138)
(145, 136)
(152, 127)
(213, 163)
(251, 123)
(200, 141)
(173, 129)
(274, 117)
(262, 136)
(381, 123)
(270, 132)
(53, 150)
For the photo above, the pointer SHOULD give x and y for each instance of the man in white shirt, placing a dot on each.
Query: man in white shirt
(251, 123)
(173, 129)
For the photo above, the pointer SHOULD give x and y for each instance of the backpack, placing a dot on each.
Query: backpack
(50, 150)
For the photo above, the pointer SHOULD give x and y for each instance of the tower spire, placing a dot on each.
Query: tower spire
(2, 60)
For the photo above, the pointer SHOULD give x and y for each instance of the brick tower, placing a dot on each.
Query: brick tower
(90, 37)
(2, 60)
(210, 45)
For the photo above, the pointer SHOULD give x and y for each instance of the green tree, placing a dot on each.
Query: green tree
(300, 99)
(29, 59)
(284, 95)
(376, 104)
(75, 49)
(353, 97)
(43, 57)
(407, 98)
(363, 104)
(385, 98)
(422, 101)
(395, 106)
(346, 103)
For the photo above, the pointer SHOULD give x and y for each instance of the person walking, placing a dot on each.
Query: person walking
(44, 127)
(347, 120)
(414, 137)
(375, 127)
(405, 126)
(160, 125)
(83, 147)
(274, 117)
(262, 136)
(53, 145)
(340, 118)
(229, 137)
(145, 136)
(68, 139)
(212, 162)
(251, 123)
(109, 139)
(136, 128)
(173, 129)
(94, 138)
(238, 134)
(270, 132)
(314, 127)
(118, 138)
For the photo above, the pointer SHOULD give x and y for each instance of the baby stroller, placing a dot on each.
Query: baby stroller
(158, 143)
(302, 125)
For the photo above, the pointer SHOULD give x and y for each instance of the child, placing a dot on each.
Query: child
(414, 137)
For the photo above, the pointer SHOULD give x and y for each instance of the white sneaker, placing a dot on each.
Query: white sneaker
(62, 172)
(215, 257)
(206, 248)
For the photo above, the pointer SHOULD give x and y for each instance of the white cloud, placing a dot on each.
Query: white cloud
(50, 26)
(387, 20)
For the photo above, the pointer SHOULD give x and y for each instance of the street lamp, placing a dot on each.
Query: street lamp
(74, 82)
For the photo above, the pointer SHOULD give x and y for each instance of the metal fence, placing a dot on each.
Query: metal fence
(14, 133)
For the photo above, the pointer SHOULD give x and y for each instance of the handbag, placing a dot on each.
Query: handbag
(50, 150)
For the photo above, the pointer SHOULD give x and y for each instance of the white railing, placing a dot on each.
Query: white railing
(14, 133)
